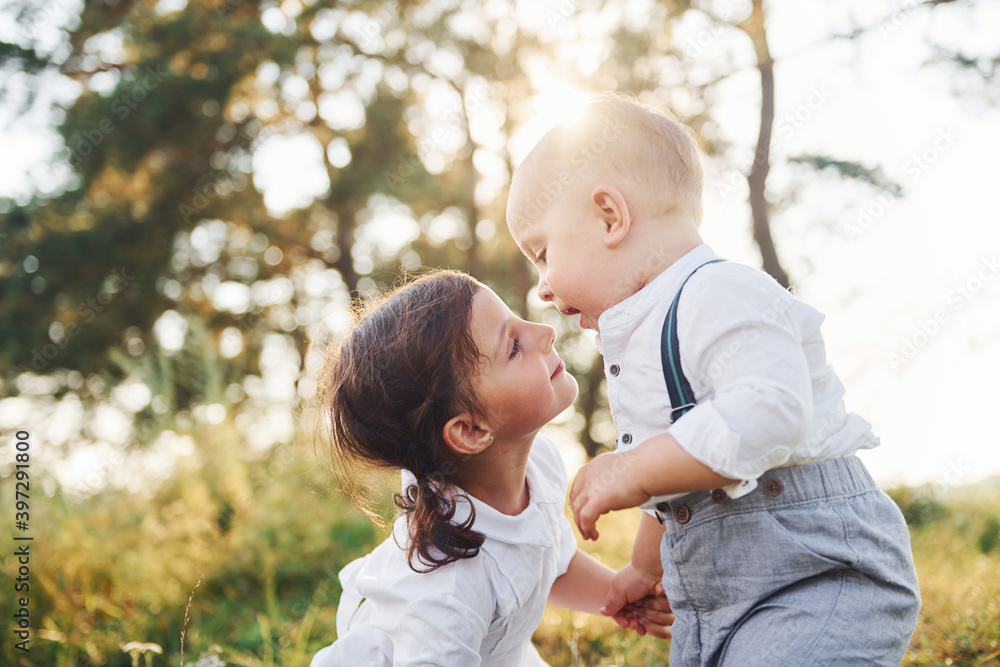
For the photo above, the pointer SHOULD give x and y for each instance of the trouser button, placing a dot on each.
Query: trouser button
(682, 514)
(718, 496)
(772, 487)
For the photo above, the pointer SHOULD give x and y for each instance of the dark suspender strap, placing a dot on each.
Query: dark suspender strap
(681, 396)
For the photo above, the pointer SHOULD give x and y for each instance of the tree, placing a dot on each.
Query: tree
(408, 112)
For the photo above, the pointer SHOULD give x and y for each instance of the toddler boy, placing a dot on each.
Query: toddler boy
(772, 541)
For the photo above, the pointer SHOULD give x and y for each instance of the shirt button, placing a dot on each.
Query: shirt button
(626, 439)
(719, 496)
(772, 487)
(615, 370)
(682, 514)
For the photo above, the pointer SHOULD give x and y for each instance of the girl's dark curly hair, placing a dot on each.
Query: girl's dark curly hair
(387, 392)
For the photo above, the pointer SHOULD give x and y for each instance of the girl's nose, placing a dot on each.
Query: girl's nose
(546, 337)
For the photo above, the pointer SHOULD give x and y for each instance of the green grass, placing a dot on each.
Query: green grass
(269, 539)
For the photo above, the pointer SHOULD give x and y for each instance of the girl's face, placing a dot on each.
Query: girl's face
(523, 384)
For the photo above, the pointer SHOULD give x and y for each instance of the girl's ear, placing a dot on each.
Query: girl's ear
(611, 208)
(464, 436)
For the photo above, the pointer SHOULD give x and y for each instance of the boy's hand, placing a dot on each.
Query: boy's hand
(636, 601)
(603, 485)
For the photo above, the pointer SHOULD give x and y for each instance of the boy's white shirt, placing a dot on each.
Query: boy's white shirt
(755, 359)
(477, 611)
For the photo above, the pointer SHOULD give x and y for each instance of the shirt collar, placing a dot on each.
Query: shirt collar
(663, 286)
(527, 528)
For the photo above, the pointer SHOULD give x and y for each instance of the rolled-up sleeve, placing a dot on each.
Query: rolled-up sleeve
(744, 359)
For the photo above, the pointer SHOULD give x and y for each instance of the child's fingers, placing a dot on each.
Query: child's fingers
(657, 602)
(575, 487)
(614, 603)
(639, 627)
(576, 504)
(656, 624)
(628, 620)
(658, 617)
(587, 520)
(658, 631)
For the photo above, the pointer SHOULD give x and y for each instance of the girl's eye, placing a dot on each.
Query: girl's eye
(517, 347)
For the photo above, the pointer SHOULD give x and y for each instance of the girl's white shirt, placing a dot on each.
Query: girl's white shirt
(475, 611)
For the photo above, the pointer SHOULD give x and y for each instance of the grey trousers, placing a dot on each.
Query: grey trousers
(813, 567)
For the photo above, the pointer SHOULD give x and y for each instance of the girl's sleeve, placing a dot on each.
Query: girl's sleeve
(443, 624)
(363, 646)
(550, 463)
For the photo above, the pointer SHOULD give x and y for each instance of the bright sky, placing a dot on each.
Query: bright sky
(933, 404)
(910, 286)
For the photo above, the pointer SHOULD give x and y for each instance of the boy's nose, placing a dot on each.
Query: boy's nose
(544, 293)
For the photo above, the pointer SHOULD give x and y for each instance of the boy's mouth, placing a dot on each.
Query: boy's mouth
(570, 312)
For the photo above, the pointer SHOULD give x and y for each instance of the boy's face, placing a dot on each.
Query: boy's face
(575, 266)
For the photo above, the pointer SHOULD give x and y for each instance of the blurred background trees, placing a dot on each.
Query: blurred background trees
(233, 172)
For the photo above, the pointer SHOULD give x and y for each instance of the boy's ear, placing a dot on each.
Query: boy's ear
(465, 436)
(610, 206)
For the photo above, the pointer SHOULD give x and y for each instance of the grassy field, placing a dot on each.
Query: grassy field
(120, 569)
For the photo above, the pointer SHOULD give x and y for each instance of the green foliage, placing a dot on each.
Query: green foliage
(853, 170)
(118, 569)
(990, 536)
(919, 505)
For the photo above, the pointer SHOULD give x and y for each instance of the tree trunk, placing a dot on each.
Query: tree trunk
(587, 404)
(472, 266)
(519, 273)
(757, 179)
(345, 243)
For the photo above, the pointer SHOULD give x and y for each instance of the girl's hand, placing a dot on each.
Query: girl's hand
(636, 601)
(603, 485)
(653, 615)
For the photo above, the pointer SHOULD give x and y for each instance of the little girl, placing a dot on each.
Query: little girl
(443, 381)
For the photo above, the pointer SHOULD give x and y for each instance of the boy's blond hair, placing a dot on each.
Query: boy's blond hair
(647, 153)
